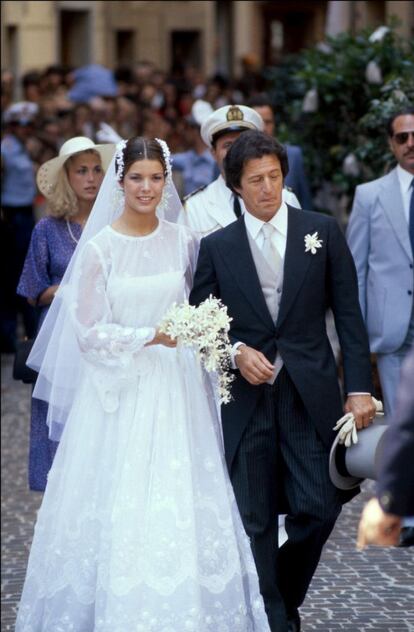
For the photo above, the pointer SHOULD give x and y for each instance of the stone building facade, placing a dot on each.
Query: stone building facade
(214, 36)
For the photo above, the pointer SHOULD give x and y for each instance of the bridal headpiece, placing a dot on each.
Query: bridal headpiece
(167, 156)
(119, 159)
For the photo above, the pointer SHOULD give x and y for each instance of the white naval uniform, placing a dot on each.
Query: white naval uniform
(212, 208)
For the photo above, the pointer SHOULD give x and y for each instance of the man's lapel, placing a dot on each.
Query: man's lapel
(391, 201)
(237, 255)
(296, 260)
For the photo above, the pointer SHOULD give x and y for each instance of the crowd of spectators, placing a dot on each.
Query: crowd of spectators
(44, 108)
(134, 100)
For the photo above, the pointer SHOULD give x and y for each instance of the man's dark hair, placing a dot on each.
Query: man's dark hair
(403, 112)
(260, 101)
(249, 146)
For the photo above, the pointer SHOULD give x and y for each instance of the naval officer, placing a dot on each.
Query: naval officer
(215, 206)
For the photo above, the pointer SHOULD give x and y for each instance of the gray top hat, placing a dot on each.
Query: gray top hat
(348, 467)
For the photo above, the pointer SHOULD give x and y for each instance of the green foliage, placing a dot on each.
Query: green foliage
(351, 113)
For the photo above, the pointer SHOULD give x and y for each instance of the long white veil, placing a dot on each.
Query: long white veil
(56, 354)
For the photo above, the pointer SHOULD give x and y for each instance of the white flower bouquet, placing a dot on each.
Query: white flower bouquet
(205, 328)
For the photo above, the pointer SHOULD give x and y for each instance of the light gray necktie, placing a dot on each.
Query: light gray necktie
(269, 251)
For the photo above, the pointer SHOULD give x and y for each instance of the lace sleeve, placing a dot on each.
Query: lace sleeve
(101, 340)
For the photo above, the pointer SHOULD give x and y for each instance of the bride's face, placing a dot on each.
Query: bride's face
(143, 185)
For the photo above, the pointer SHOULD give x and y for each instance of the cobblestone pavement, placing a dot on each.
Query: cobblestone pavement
(351, 591)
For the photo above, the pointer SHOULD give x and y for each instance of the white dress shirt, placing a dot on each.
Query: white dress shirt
(279, 221)
(279, 236)
(405, 179)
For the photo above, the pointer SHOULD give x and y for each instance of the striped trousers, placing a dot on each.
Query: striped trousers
(282, 467)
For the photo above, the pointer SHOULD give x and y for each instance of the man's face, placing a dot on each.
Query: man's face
(261, 186)
(221, 147)
(268, 117)
(402, 141)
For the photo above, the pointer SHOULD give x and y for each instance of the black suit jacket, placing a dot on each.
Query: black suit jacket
(396, 475)
(312, 283)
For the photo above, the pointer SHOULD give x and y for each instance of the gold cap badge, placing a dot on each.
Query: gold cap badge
(234, 113)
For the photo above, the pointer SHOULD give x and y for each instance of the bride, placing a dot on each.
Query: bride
(138, 529)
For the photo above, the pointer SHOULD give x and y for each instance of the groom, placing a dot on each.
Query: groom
(278, 270)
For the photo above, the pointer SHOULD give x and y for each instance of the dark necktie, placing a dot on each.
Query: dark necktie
(411, 217)
(237, 207)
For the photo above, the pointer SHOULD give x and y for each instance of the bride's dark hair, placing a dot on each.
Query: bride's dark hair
(140, 148)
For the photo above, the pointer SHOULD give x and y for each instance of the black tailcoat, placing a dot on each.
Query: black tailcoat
(312, 284)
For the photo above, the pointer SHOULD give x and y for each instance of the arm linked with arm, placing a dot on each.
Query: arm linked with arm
(205, 279)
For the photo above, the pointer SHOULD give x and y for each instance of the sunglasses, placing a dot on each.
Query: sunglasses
(402, 137)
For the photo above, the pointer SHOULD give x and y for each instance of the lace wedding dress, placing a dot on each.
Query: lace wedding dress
(139, 530)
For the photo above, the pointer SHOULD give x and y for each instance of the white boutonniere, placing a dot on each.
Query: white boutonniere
(312, 243)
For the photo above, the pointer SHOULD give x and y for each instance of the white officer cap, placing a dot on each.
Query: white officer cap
(230, 118)
(22, 113)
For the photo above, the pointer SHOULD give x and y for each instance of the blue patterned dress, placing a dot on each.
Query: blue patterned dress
(51, 248)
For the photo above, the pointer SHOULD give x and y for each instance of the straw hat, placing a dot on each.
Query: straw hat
(49, 171)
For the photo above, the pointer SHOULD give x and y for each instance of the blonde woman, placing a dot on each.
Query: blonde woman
(70, 182)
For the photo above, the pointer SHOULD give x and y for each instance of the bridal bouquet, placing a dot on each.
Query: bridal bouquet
(204, 328)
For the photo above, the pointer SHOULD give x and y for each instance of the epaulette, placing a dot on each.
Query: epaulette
(187, 197)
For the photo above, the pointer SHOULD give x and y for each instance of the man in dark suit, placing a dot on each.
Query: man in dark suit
(296, 179)
(382, 519)
(277, 269)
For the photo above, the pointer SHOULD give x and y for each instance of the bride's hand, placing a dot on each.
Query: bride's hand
(162, 339)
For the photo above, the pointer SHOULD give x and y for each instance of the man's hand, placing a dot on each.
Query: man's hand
(378, 527)
(253, 365)
(363, 409)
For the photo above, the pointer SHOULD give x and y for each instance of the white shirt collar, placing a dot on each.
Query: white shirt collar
(254, 225)
(405, 178)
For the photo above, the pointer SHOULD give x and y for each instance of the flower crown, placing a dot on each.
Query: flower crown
(167, 156)
(119, 158)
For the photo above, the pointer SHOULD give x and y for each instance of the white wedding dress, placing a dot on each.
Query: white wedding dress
(139, 529)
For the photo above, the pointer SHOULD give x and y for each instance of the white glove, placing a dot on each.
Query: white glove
(107, 134)
(347, 428)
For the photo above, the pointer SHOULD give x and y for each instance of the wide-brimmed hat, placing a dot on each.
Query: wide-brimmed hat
(348, 467)
(49, 171)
